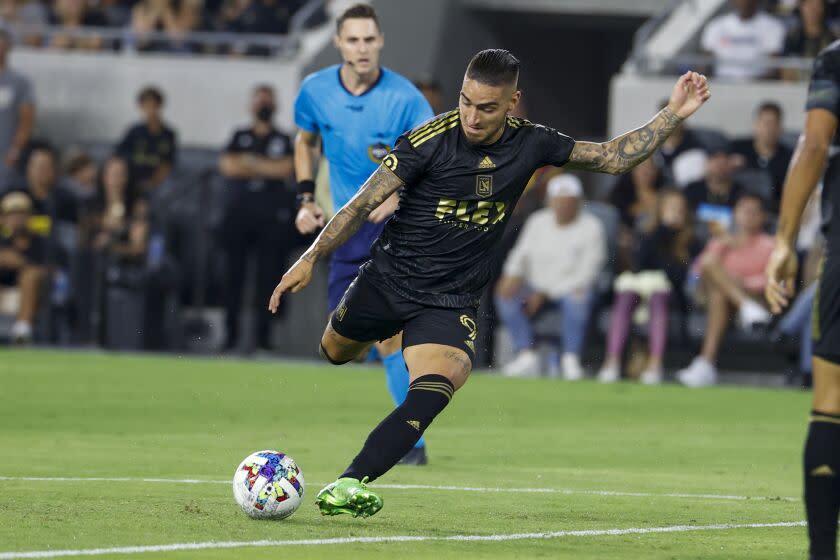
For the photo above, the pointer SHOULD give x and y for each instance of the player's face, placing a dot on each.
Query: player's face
(483, 110)
(359, 41)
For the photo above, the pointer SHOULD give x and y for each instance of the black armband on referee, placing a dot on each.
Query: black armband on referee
(306, 186)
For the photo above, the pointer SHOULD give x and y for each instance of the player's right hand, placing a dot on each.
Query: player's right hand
(781, 276)
(293, 281)
(310, 218)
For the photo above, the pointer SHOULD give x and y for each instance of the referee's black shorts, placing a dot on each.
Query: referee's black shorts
(370, 311)
(825, 321)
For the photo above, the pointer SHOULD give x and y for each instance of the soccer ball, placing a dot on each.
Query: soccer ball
(268, 485)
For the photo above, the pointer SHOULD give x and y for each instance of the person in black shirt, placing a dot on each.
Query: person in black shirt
(22, 259)
(817, 148)
(460, 175)
(764, 150)
(149, 147)
(259, 204)
(713, 198)
(52, 202)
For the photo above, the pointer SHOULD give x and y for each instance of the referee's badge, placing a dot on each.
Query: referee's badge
(378, 151)
(484, 185)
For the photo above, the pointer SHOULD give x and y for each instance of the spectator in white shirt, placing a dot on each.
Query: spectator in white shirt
(741, 39)
(556, 261)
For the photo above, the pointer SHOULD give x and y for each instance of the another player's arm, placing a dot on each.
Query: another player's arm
(805, 171)
(379, 186)
(310, 217)
(623, 153)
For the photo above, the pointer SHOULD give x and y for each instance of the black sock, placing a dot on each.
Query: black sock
(822, 491)
(396, 435)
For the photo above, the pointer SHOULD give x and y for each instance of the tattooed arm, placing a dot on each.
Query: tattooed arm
(379, 186)
(623, 153)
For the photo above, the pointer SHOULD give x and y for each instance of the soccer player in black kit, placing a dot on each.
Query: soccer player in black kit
(822, 447)
(461, 174)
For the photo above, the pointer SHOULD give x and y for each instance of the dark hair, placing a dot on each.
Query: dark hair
(357, 11)
(494, 67)
(150, 93)
(771, 106)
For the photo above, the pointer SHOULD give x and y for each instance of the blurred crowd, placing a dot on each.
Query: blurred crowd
(681, 240)
(152, 25)
(745, 39)
(90, 253)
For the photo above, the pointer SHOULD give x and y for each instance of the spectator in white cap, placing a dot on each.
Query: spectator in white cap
(556, 262)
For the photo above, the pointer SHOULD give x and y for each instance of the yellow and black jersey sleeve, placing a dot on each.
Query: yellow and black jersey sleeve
(555, 147)
(411, 155)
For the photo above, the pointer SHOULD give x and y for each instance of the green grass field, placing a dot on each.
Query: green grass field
(567, 457)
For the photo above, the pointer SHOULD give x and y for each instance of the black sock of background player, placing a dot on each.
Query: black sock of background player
(822, 491)
(396, 435)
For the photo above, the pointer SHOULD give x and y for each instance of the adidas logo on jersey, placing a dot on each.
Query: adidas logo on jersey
(486, 163)
(414, 424)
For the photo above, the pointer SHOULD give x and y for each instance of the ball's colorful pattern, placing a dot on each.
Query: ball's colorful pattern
(266, 479)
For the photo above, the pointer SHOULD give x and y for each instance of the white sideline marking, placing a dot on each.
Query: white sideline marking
(565, 491)
(392, 539)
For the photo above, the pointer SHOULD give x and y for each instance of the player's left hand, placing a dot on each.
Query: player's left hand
(781, 276)
(385, 210)
(690, 92)
(293, 281)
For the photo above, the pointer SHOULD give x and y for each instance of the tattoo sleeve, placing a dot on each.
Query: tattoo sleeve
(623, 153)
(379, 186)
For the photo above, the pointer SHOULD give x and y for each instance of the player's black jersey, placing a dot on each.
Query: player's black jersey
(440, 247)
(824, 93)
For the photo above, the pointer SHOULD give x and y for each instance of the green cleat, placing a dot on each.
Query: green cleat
(348, 495)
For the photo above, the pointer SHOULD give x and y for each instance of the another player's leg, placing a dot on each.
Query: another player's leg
(438, 371)
(822, 447)
(822, 461)
(396, 375)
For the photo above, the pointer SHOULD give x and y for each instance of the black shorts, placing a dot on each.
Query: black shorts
(825, 320)
(370, 312)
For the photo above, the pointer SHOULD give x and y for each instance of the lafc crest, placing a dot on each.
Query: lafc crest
(484, 185)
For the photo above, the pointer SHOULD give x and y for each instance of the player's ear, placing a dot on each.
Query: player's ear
(514, 100)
